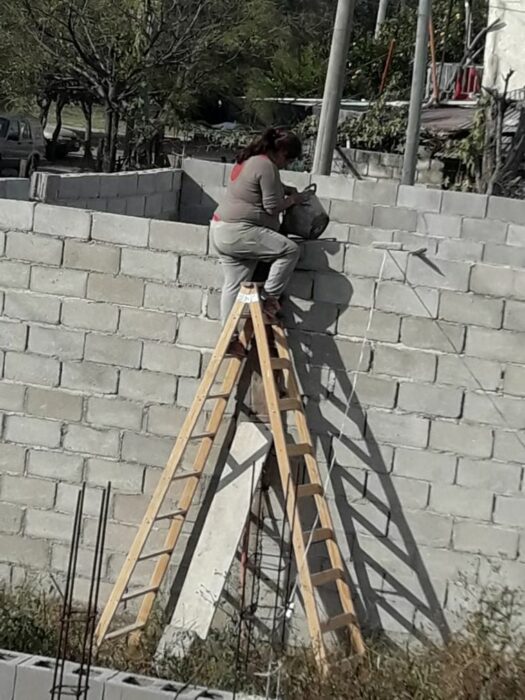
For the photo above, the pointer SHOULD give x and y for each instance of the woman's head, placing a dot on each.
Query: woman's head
(281, 146)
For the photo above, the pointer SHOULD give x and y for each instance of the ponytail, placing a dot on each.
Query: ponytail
(272, 141)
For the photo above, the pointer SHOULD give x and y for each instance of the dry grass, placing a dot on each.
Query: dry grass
(485, 662)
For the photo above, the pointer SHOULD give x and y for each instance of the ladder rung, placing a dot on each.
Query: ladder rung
(185, 475)
(299, 449)
(219, 395)
(335, 623)
(319, 535)
(139, 592)
(201, 436)
(125, 630)
(328, 576)
(171, 514)
(280, 363)
(290, 405)
(156, 553)
(305, 490)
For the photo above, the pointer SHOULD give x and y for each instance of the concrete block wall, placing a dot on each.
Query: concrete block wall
(108, 322)
(144, 193)
(388, 166)
(14, 188)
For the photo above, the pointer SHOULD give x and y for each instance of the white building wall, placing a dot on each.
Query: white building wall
(505, 48)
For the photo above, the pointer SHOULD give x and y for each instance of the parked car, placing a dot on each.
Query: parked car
(67, 142)
(21, 139)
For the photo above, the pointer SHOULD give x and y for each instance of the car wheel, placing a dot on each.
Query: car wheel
(32, 166)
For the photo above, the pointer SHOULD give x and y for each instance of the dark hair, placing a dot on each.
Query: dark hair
(273, 141)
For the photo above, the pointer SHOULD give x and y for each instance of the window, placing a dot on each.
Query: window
(26, 131)
(14, 130)
(4, 126)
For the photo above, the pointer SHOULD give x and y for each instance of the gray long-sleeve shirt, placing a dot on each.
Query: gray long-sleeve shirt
(254, 194)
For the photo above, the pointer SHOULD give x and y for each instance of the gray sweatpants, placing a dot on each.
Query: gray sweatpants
(241, 246)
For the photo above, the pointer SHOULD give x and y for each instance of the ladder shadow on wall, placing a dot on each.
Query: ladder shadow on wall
(392, 586)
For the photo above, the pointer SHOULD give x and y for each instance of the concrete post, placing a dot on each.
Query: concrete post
(381, 16)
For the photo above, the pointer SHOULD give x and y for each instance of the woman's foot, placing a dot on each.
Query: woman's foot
(271, 308)
(236, 349)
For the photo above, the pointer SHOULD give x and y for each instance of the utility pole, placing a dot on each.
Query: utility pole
(333, 88)
(417, 92)
(381, 16)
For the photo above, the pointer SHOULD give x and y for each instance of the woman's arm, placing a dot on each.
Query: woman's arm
(272, 190)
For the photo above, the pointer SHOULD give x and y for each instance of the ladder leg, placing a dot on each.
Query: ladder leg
(173, 462)
(276, 423)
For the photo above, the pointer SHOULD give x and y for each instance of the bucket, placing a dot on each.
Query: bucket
(307, 220)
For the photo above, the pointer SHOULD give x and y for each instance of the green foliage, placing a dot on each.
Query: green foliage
(380, 128)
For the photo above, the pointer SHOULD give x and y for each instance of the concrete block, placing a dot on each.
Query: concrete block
(463, 502)
(91, 256)
(395, 217)
(419, 198)
(368, 262)
(492, 280)
(78, 313)
(125, 230)
(405, 493)
(406, 300)
(485, 539)
(322, 255)
(137, 323)
(376, 192)
(198, 332)
(39, 493)
(516, 235)
(466, 250)
(111, 350)
(200, 272)
(17, 549)
(139, 384)
(53, 403)
(11, 515)
(80, 438)
(355, 322)
(348, 212)
(337, 231)
(66, 501)
(32, 431)
(33, 369)
(435, 467)
(32, 307)
(179, 238)
(13, 335)
(293, 178)
(12, 459)
(35, 679)
(14, 274)
(504, 209)
(34, 248)
(12, 397)
(146, 263)
(506, 411)
(403, 362)
(469, 372)
(57, 221)
(165, 420)
(114, 412)
(301, 285)
(311, 315)
(339, 354)
(204, 171)
(497, 477)
(334, 186)
(514, 382)
(471, 309)
(176, 299)
(89, 377)
(397, 428)
(432, 335)
(510, 510)
(56, 342)
(171, 360)
(146, 449)
(119, 290)
(124, 477)
(443, 274)
(366, 236)
(329, 289)
(61, 282)
(9, 662)
(514, 318)
(16, 215)
(430, 399)
(509, 445)
(499, 254)
(504, 346)
(153, 206)
(415, 241)
(484, 230)
(127, 184)
(426, 528)
(369, 390)
(136, 206)
(55, 465)
(465, 439)
(439, 225)
(465, 204)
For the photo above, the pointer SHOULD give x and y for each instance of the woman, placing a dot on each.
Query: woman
(245, 227)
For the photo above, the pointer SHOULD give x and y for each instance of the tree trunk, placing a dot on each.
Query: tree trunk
(87, 109)
(59, 108)
(114, 141)
(45, 106)
(108, 130)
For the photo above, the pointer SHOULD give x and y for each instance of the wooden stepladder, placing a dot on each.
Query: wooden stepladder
(275, 363)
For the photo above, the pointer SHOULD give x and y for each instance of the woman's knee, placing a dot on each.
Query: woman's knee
(292, 250)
